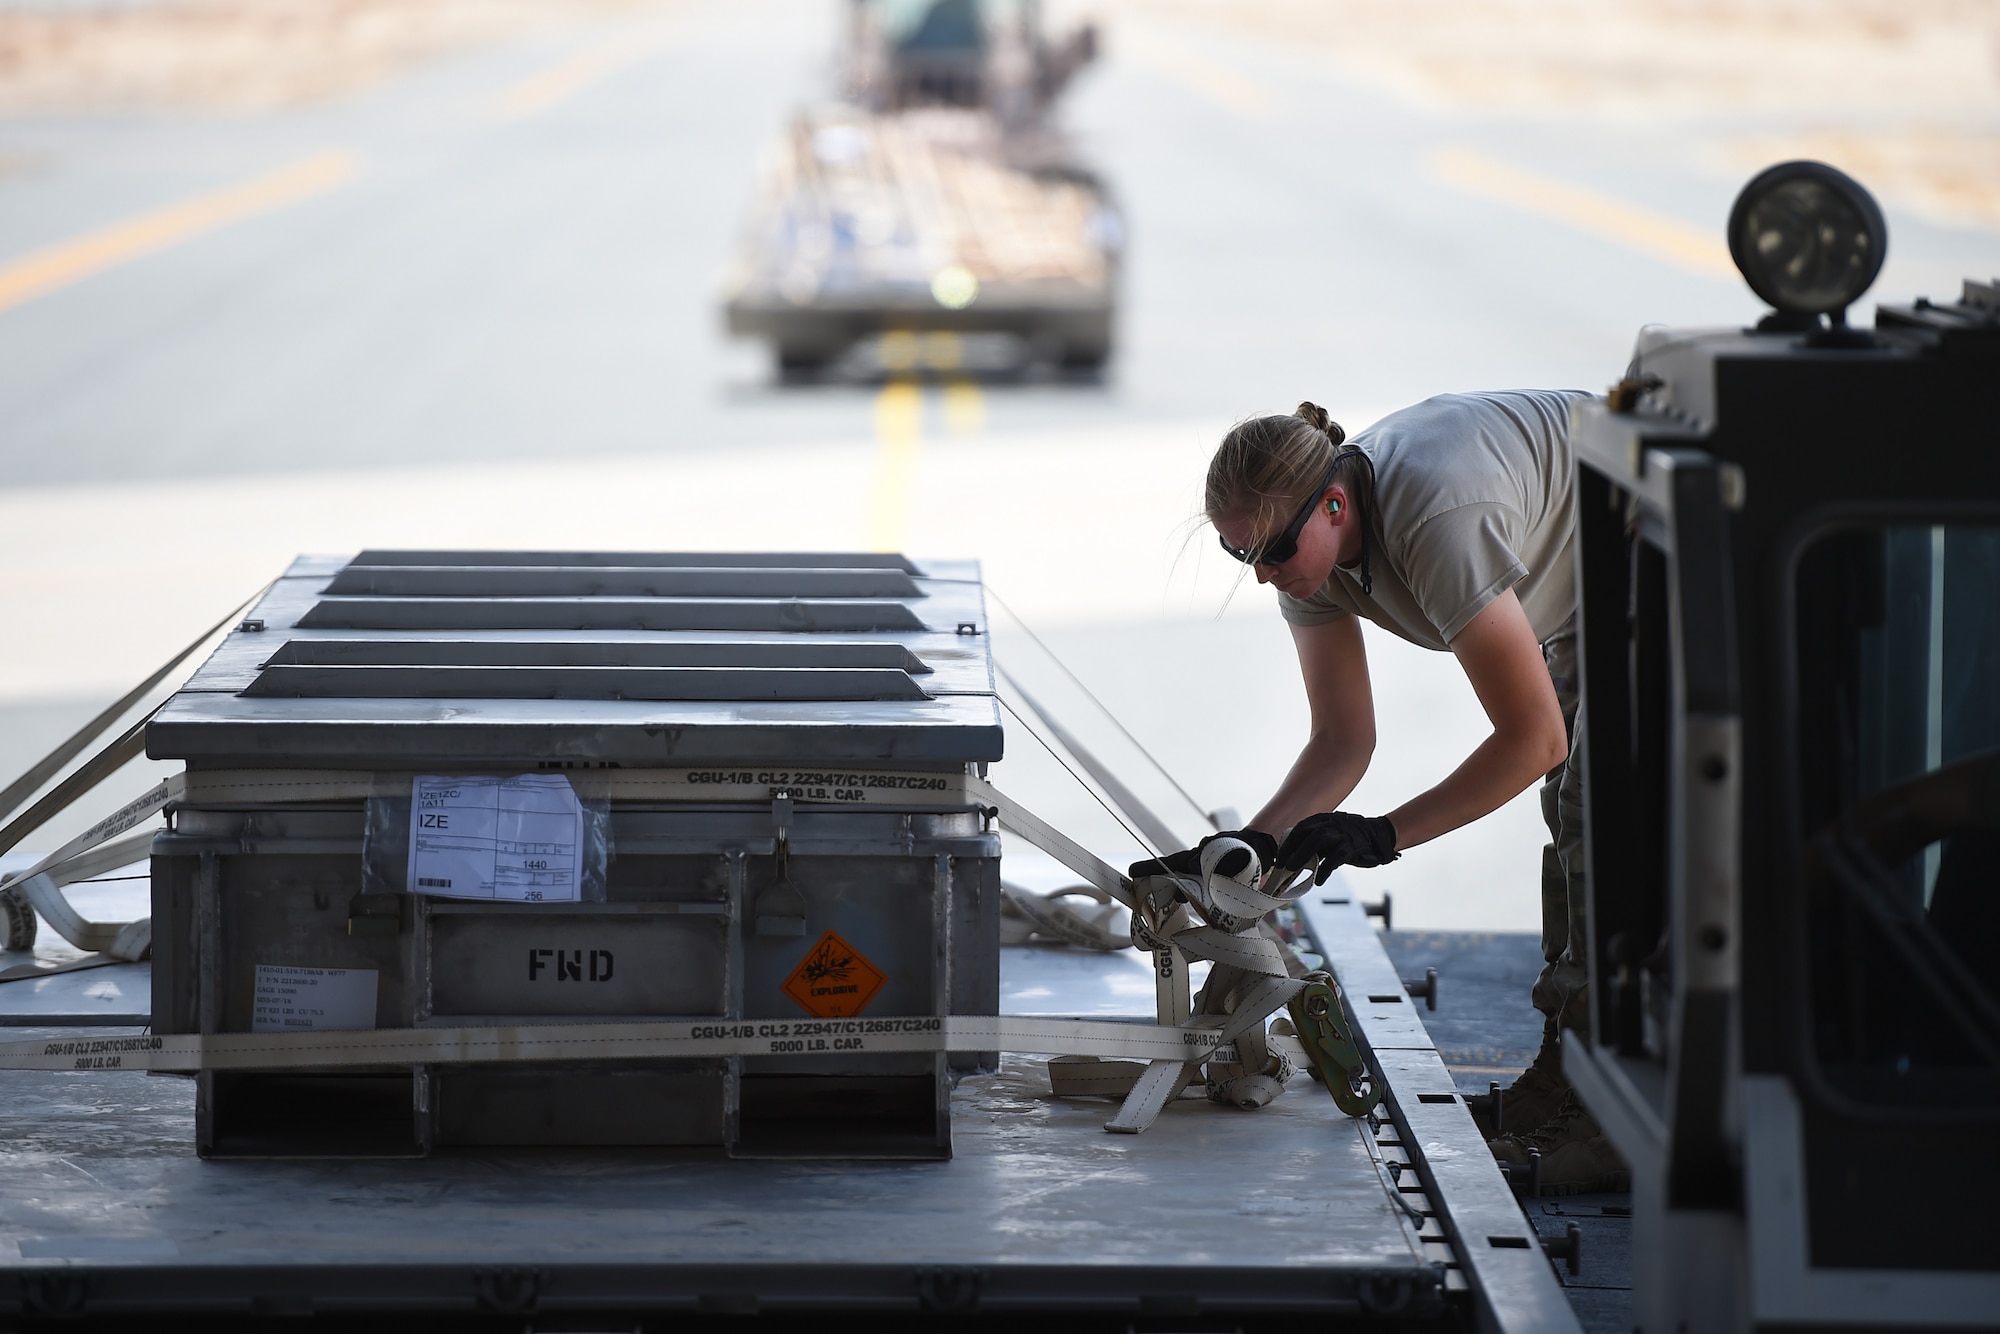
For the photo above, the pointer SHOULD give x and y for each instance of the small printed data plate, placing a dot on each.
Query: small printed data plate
(834, 981)
(290, 999)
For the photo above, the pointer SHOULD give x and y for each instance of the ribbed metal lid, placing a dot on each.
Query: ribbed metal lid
(411, 658)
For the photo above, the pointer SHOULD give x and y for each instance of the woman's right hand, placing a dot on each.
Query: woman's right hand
(1338, 838)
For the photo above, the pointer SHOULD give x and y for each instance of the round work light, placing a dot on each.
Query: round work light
(954, 286)
(1807, 238)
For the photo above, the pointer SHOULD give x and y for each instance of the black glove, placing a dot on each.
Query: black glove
(1188, 861)
(1338, 839)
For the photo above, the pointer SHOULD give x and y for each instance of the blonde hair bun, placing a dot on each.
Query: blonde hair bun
(1315, 415)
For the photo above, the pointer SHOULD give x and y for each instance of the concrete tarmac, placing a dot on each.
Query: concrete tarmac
(476, 304)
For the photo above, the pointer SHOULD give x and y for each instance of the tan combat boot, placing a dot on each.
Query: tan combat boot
(1575, 1155)
(1531, 1099)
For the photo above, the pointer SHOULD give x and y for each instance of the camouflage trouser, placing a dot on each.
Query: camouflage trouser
(1565, 934)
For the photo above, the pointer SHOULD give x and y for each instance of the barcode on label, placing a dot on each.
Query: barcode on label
(432, 882)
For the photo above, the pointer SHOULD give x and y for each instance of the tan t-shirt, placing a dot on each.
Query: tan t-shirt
(1474, 496)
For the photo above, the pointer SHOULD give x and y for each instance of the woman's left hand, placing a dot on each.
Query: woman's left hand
(1337, 838)
(1188, 862)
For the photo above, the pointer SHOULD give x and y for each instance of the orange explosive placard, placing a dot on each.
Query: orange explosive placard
(833, 981)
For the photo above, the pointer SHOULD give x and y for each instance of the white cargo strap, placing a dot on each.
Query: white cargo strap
(1151, 825)
(846, 788)
(225, 786)
(1025, 914)
(1095, 1077)
(85, 856)
(121, 942)
(714, 1038)
(41, 885)
(1252, 976)
(1041, 834)
(124, 748)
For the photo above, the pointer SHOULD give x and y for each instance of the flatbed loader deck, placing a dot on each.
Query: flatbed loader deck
(1292, 1210)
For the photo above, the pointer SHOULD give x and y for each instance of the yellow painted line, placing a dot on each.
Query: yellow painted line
(1199, 72)
(565, 79)
(964, 407)
(899, 414)
(56, 266)
(1701, 251)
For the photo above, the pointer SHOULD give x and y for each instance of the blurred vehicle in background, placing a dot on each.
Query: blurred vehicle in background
(937, 195)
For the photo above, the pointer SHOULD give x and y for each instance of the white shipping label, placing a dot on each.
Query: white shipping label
(289, 1000)
(519, 838)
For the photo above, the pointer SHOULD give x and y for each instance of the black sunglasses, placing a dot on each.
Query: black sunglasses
(1286, 544)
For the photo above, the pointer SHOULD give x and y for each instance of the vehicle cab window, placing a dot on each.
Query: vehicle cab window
(1897, 727)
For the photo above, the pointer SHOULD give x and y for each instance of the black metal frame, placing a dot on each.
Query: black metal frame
(1695, 501)
(1654, 559)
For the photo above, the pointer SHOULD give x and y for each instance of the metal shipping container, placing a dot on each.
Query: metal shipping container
(776, 747)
